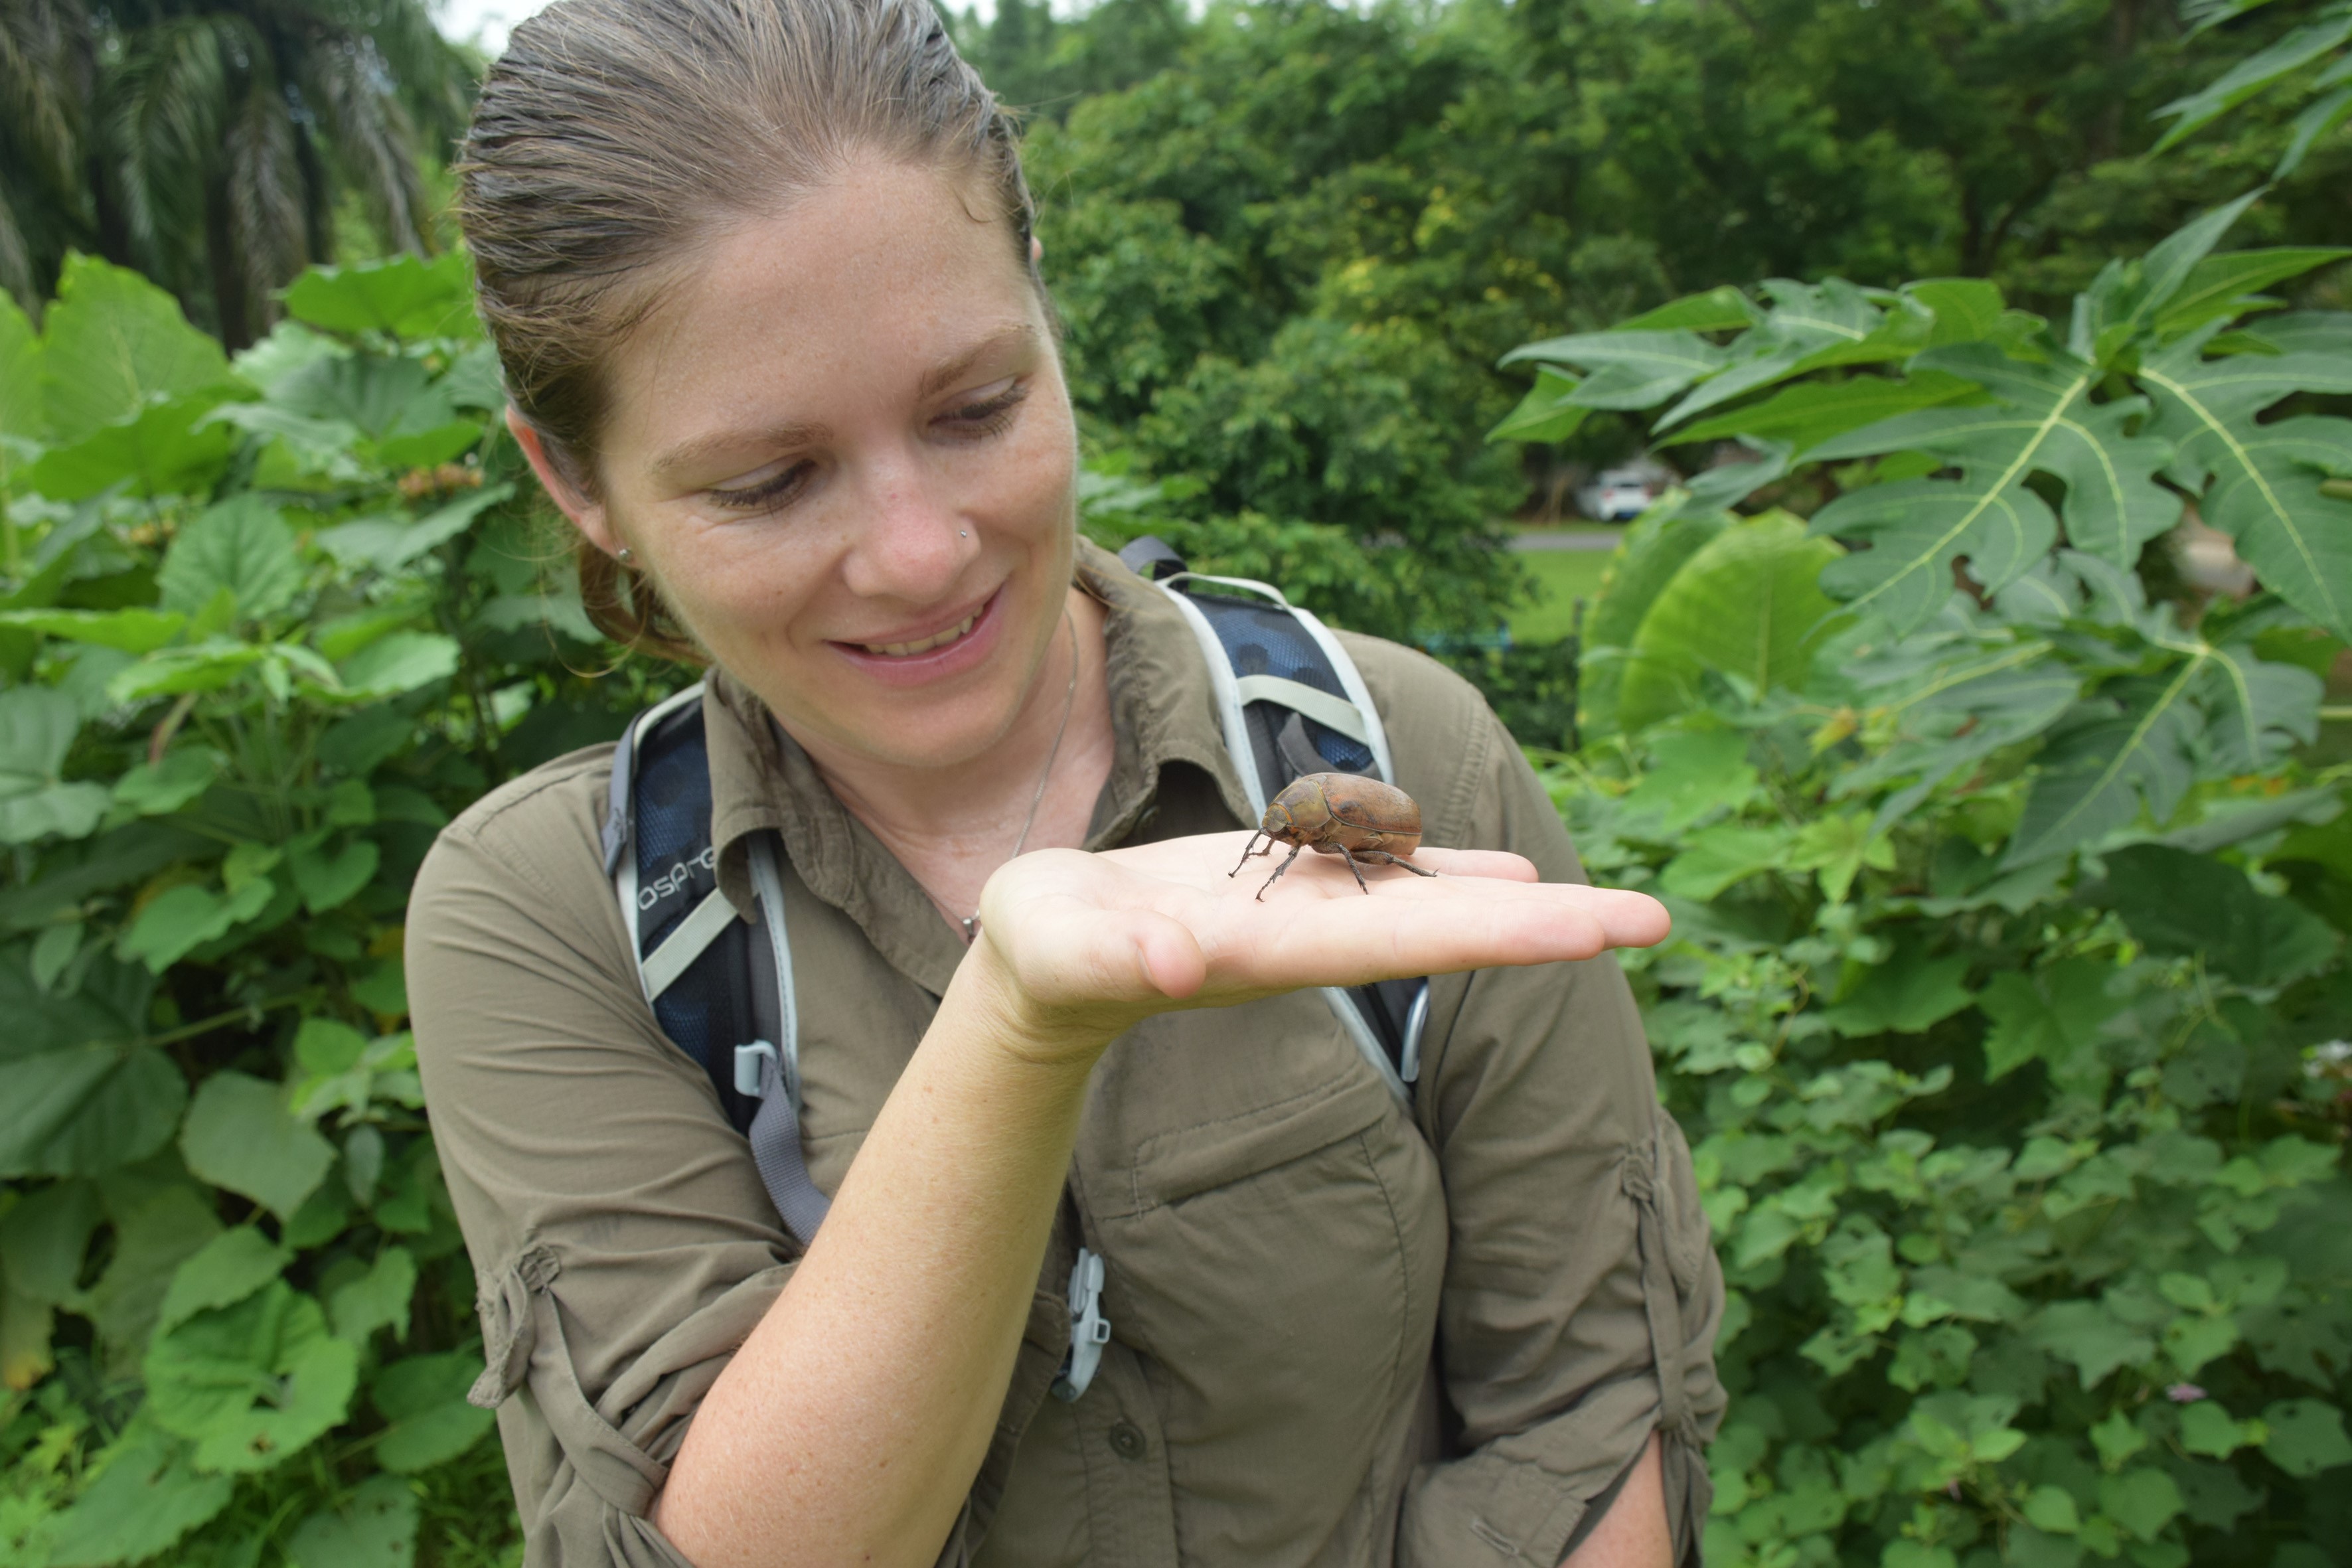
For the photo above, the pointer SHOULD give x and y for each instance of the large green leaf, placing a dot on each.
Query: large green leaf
(376, 1529)
(2254, 73)
(2265, 478)
(401, 662)
(1811, 411)
(242, 546)
(240, 1135)
(388, 543)
(157, 1227)
(24, 415)
(178, 921)
(229, 1268)
(2144, 739)
(1654, 549)
(38, 725)
(2181, 903)
(1810, 325)
(404, 297)
(1545, 414)
(1629, 369)
(2041, 420)
(77, 1094)
(2218, 286)
(1747, 605)
(251, 1384)
(115, 342)
(2129, 296)
(165, 449)
(133, 630)
(424, 1397)
(146, 1497)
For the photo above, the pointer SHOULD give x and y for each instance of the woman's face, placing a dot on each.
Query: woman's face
(843, 448)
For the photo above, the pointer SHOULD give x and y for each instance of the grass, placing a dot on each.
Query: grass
(1562, 577)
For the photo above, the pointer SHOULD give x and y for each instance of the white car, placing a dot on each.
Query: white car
(1617, 495)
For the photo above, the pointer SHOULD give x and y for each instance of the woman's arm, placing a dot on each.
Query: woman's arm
(849, 1426)
(1632, 1533)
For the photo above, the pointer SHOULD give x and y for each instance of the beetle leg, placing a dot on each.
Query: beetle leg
(1278, 871)
(1385, 858)
(1349, 858)
(1249, 849)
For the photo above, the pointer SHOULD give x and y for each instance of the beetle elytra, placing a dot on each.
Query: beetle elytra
(1345, 815)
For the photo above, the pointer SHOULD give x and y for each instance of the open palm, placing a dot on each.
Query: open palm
(1098, 942)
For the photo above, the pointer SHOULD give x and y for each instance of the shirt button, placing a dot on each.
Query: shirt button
(1126, 1440)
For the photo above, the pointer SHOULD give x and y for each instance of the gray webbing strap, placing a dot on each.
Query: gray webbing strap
(776, 1138)
(684, 944)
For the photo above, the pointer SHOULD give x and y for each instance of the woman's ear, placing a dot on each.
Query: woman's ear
(586, 515)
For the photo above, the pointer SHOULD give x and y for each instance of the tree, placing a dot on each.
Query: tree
(209, 143)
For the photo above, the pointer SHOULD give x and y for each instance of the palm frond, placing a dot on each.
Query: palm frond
(371, 138)
(264, 187)
(165, 118)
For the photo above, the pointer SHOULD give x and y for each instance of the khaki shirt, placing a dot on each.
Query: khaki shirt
(1342, 1334)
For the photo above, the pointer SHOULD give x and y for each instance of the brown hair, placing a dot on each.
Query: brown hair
(615, 134)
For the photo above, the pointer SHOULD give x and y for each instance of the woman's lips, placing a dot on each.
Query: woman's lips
(948, 651)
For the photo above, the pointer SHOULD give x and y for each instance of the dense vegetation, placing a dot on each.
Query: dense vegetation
(2010, 874)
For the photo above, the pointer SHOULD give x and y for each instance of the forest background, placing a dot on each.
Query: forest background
(2021, 1177)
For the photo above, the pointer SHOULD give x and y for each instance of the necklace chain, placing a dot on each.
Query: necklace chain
(971, 923)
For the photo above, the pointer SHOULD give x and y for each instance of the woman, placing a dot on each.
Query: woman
(761, 278)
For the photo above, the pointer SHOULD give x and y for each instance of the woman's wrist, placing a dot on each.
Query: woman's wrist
(1002, 1014)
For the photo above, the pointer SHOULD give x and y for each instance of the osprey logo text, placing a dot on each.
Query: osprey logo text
(677, 877)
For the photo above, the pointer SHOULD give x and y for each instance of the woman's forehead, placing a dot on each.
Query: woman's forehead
(884, 281)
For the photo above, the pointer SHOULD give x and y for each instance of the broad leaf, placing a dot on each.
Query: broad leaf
(240, 1135)
(2265, 478)
(2046, 1016)
(114, 343)
(1811, 411)
(230, 1266)
(166, 448)
(377, 1528)
(2193, 904)
(243, 545)
(2125, 300)
(180, 920)
(2307, 1436)
(401, 662)
(1545, 414)
(2251, 75)
(376, 1300)
(1629, 369)
(147, 1497)
(133, 630)
(2041, 420)
(23, 414)
(1809, 326)
(44, 1240)
(2218, 286)
(153, 789)
(77, 1094)
(1723, 855)
(1908, 994)
(38, 725)
(388, 543)
(156, 1228)
(1720, 310)
(2316, 122)
(404, 297)
(252, 1384)
(424, 1397)
(1745, 604)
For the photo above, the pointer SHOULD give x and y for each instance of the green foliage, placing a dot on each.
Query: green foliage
(2009, 970)
(236, 698)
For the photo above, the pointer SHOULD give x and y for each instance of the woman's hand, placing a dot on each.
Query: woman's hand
(1077, 947)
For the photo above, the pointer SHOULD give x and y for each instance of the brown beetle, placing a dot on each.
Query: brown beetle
(1339, 814)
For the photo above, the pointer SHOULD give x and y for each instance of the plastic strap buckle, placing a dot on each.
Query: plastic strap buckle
(747, 1060)
(1089, 1329)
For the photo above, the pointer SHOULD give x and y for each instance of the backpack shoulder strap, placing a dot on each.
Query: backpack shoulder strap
(1291, 701)
(721, 989)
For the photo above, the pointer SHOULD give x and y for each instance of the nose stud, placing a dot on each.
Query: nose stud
(963, 533)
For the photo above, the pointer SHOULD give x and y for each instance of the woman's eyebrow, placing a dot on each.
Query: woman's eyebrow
(940, 377)
(704, 449)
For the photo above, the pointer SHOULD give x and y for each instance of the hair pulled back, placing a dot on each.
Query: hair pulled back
(613, 136)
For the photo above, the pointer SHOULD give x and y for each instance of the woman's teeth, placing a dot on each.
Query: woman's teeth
(901, 650)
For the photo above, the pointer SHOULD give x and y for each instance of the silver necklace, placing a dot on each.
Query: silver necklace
(971, 923)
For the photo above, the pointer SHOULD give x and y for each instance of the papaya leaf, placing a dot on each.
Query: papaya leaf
(1545, 414)
(2041, 420)
(1808, 327)
(1629, 369)
(252, 1384)
(1967, 310)
(2265, 478)
(1811, 411)
(1718, 310)
(2125, 300)
(2217, 287)
(2252, 75)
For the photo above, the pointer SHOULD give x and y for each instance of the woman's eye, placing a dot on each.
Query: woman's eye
(769, 493)
(987, 411)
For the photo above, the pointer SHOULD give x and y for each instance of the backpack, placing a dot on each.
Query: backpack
(1290, 702)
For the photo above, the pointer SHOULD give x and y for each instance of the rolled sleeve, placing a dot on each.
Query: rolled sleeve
(1581, 1297)
(616, 1223)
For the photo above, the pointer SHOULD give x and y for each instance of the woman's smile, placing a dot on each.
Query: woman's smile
(927, 651)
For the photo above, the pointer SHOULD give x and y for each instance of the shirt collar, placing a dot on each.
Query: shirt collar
(1163, 711)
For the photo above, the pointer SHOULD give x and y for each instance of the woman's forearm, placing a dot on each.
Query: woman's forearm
(849, 1426)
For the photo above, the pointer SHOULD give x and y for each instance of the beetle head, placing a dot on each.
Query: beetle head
(1297, 812)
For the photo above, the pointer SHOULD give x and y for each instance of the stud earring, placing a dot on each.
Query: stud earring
(623, 555)
(963, 533)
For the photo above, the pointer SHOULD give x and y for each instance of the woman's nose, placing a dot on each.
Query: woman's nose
(910, 542)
